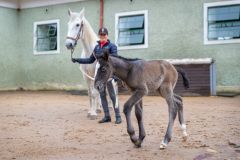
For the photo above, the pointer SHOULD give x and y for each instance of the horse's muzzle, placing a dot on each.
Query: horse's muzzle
(69, 44)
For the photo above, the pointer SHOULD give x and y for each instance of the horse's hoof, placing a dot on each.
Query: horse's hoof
(163, 146)
(98, 110)
(92, 117)
(88, 114)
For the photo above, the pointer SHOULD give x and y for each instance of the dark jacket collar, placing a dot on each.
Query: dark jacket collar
(108, 41)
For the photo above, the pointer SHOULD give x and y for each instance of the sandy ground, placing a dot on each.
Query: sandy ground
(54, 125)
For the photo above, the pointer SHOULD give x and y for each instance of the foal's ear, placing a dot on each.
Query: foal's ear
(69, 12)
(106, 54)
(82, 12)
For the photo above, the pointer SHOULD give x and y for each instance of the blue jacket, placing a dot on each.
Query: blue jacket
(112, 48)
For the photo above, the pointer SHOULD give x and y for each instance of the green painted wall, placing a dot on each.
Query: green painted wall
(54, 71)
(175, 31)
(10, 65)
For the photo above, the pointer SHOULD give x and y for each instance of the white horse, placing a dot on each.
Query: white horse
(79, 28)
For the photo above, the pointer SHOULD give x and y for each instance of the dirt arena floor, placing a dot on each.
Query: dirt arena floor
(55, 126)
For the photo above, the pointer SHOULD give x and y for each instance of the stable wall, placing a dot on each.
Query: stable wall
(175, 31)
(10, 65)
(55, 71)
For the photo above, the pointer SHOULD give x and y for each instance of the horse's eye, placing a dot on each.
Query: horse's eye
(77, 25)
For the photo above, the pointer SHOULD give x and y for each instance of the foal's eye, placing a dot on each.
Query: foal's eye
(77, 25)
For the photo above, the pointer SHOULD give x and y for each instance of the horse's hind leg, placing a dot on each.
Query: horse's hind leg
(138, 113)
(167, 93)
(179, 104)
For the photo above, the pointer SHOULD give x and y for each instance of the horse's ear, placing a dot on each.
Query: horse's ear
(69, 12)
(106, 54)
(82, 12)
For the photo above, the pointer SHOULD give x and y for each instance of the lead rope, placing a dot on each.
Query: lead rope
(72, 50)
(83, 72)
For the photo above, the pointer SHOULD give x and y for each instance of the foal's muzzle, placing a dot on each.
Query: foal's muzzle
(99, 86)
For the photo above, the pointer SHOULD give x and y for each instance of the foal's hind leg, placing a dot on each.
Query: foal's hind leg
(179, 103)
(167, 93)
(138, 113)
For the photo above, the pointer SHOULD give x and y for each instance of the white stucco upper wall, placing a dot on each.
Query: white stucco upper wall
(184, 61)
(191, 61)
(21, 4)
(9, 4)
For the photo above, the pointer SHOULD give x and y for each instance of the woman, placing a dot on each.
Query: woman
(103, 43)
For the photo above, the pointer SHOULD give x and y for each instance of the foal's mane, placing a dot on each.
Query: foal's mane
(125, 59)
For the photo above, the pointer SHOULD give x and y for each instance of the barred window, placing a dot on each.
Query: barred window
(223, 23)
(46, 37)
(131, 30)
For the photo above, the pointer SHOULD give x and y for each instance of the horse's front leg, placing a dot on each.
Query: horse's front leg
(92, 114)
(134, 99)
(138, 113)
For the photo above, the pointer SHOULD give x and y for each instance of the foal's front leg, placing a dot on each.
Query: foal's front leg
(134, 99)
(138, 113)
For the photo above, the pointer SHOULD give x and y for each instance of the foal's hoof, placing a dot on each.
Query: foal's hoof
(185, 137)
(163, 146)
(138, 144)
(134, 139)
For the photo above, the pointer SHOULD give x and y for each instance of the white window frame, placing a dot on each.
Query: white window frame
(35, 52)
(145, 13)
(205, 23)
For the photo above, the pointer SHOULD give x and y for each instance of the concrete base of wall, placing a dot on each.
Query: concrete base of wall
(45, 86)
(228, 90)
(79, 89)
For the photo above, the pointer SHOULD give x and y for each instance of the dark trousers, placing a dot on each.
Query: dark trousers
(112, 95)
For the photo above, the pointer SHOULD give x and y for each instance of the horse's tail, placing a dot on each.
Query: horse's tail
(184, 76)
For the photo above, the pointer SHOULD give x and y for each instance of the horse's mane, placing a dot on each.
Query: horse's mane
(126, 59)
(93, 35)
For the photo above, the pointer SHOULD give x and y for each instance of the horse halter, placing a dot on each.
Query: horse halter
(78, 35)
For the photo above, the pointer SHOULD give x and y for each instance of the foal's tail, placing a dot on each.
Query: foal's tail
(184, 76)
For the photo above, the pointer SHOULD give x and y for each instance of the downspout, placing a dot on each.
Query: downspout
(18, 5)
(101, 13)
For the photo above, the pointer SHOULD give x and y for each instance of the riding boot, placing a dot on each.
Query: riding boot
(105, 120)
(106, 117)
